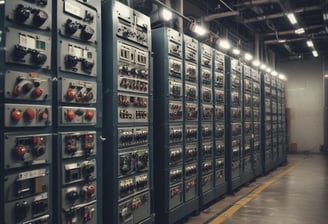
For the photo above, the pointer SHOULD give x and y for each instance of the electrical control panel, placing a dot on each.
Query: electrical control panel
(27, 123)
(78, 79)
(25, 115)
(220, 122)
(27, 196)
(78, 144)
(77, 115)
(78, 21)
(77, 58)
(26, 149)
(127, 114)
(77, 91)
(27, 48)
(33, 14)
(27, 86)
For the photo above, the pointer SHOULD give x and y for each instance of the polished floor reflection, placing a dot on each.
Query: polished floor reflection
(299, 197)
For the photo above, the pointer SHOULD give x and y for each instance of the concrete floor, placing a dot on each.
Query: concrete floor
(299, 197)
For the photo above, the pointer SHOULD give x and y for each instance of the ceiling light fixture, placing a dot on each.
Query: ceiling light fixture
(315, 53)
(236, 51)
(198, 29)
(268, 70)
(166, 14)
(300, 31)
(263, 66)
(309, 43)
(282, 77)
(248, 57)
(256, 63)
(274, 73)
(224, 44)
(292, 18)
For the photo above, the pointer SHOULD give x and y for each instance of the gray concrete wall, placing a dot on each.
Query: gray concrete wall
(305, 102)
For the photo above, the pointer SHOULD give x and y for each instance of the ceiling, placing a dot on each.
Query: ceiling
(268, 18)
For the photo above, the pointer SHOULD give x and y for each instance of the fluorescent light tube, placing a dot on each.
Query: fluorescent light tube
(315, 53)
(300, 31)
(292, 18)
(309, 43)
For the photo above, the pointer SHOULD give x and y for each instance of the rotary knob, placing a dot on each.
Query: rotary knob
(38, 57)
(16, 115)
(37, 92)
(39, 18)
(89, 114)
(22, 13)
(70, 94)
(29, 114)
(72, 196)
(69, 115)
(20, 151)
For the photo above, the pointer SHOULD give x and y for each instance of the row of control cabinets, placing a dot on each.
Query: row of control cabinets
(49, 88)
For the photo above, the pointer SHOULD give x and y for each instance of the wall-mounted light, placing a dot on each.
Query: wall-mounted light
(236, 51)
(309, 43)
(256, 63)
(292, 18)
(299, 31)
(268, 70)
(224, 44)
(248, 56)
(166, 14)
(198, 29)
(274, 73)
(315, 53)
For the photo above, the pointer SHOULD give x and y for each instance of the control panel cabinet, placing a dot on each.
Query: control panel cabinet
(219, 124)
(247, 121)
(190, 123)
(206, 128)
(256, 123)
(78, 109)
(26, 105)
(234, 116)
(127, 116)
(175, 124)
(267, 119)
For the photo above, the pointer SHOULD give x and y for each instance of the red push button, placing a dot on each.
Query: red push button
(29, 114)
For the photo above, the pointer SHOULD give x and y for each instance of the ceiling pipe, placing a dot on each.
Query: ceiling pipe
(275, 41)
(288, 32)
(282, 14)
(254, 2)
(220, 15)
